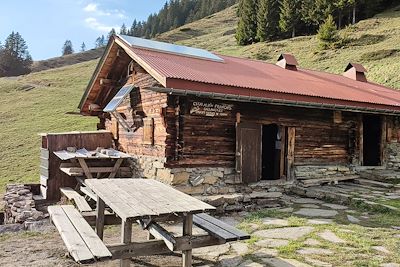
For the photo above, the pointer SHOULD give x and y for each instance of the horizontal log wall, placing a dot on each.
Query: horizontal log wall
(149, 103)
(212, 140)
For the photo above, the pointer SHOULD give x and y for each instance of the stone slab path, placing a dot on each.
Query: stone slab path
(305, 226)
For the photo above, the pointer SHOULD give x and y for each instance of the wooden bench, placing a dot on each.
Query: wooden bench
(218, 228)
(80, 239)
(79, 200)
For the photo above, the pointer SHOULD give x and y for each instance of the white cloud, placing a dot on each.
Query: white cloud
(94, 9)
(94, 24)
(90, 7)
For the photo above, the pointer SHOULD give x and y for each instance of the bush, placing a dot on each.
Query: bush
(328, 34)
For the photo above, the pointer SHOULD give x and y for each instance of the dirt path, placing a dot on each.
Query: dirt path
(47, 249)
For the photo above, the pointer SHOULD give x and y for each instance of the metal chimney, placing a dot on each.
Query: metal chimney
(356, 72)
(287, 61)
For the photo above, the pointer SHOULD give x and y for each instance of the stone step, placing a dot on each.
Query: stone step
(373, 183)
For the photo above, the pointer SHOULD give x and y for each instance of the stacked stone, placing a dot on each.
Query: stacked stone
(317, 172)
(19, 205)
(393, 159)
(215, 185)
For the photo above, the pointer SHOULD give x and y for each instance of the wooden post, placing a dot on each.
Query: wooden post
(187, 231)
(100, 217)
(361, 139)
(290, 153)
(383, 141)
(126, 235)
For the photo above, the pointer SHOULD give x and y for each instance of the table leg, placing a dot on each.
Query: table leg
(100, 217)
(187, 231)
(85, 168)
(115, 168)
(126, 235)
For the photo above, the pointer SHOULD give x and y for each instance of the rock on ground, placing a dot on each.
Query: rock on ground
(331, 237)
(353, 219)
(275, 221)
(316, 212)
(285, 232)
(272, 243)
(280, 262)
(311, 251)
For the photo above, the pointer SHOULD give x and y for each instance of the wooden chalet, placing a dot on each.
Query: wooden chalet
(212, 124)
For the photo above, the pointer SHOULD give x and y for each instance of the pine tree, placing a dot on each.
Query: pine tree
(247, 25)
(83, 47)
(100, 42)
(123, 30)
(289, 16)
(14, 56)
(67, 48)
(327, 33)
(267, 19)
(111, 33)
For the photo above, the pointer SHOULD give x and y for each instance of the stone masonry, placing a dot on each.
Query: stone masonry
(319, 171)
(214, 185)
(19, 205)
(393, 156)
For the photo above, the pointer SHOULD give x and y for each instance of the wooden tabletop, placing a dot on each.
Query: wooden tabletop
(85, 154)
(141, 198)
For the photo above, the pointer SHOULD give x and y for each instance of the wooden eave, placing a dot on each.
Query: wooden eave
(104, 67)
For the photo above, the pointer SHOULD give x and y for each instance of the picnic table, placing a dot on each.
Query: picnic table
(79, 162)
(148, 203)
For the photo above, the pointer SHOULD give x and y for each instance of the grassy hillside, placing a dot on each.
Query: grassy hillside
(39, 102)
(34, 104)
(373, 42)
(58, 62)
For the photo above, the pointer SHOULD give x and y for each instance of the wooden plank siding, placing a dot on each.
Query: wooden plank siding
(52, 175)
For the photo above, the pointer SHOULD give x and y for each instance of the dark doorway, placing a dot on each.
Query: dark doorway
(372, 135)
(271, 152)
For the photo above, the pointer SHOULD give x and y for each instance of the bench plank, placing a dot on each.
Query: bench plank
(213, 229)
(79, 200)
(72, 240)
(209, 224)
(93, 242)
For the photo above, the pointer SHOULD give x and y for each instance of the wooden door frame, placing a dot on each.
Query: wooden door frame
(383, 139)
(288, 135)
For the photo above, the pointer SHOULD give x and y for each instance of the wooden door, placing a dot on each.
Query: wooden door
(248, 152)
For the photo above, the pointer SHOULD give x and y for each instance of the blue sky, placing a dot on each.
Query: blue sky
(46, 24)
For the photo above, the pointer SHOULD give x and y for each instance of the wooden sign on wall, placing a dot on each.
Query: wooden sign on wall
(211, 109)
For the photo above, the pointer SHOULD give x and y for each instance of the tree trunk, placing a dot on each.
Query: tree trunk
(354, 14)
(340, 19)
(293, 32)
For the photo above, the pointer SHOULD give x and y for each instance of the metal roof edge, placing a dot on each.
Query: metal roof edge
(232, 97)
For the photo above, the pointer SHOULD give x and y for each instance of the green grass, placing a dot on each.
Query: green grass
(373, 42)
(359, 239)
(25, 114)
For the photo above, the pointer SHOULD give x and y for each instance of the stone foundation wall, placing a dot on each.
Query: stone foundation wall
(19, 205)
(307, 172)
(214, 185)
(393, 156)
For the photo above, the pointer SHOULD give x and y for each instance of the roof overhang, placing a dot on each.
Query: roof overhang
(276, 100)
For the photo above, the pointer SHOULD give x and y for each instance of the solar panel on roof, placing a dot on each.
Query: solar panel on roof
(117, 99)
(171, 48)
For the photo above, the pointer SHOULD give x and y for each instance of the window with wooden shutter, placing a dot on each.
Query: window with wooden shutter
(148, 131)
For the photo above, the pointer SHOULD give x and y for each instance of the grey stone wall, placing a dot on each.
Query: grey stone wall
(307, 172)
(19, 205)
(214, 185)
(393, 156)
